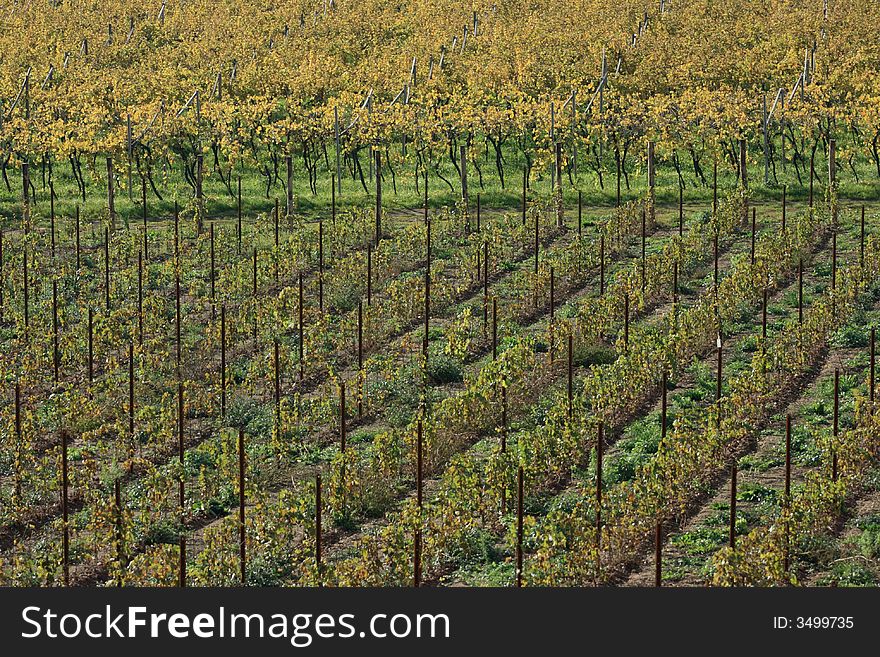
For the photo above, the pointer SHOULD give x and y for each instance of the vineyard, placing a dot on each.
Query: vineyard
(323, 293)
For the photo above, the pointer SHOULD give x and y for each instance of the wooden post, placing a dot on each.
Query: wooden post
(242, 543)
(733, 504)
(718, 376)
(715, 186)
(832, 177)
(26, 284)
(485, 286)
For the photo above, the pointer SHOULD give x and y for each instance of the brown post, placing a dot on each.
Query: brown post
(52, 217)
(718, 376)
(276, 361)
